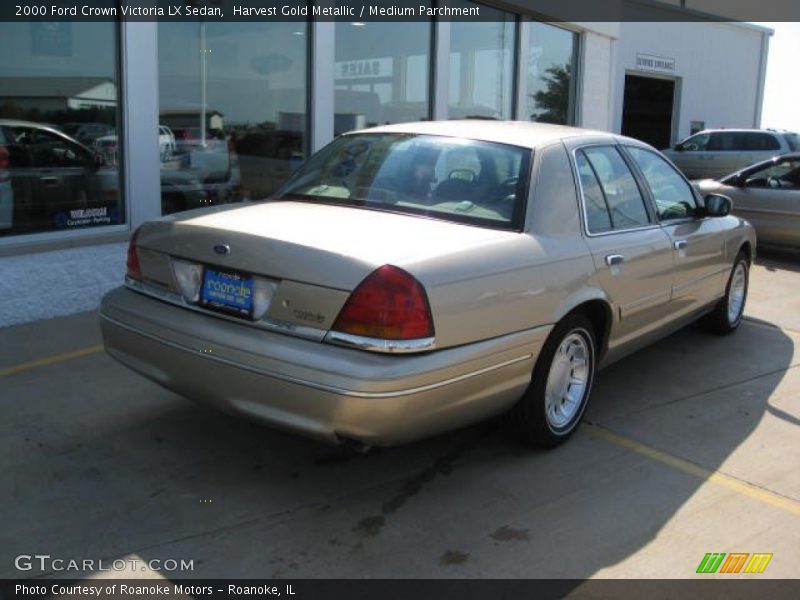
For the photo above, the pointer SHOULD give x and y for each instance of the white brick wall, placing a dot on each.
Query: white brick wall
(718, 65)
(597, 75)
(50, 284)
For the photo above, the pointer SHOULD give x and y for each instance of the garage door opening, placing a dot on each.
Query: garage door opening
(647, 110)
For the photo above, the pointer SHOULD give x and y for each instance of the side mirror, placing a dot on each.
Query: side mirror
(717, 205)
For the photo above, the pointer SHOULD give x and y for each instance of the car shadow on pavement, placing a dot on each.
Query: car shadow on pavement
(779, 259)
(113, 466)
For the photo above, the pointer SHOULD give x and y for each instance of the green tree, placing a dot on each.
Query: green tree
(552, 103)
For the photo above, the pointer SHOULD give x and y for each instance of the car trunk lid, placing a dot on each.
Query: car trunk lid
(315, 254)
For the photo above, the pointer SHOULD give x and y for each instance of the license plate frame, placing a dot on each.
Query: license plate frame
(227, 291)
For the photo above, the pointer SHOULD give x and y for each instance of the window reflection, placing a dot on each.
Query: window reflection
(58, 103)
(482, 65)
(551, 74)
(381, 73)
(232, 110)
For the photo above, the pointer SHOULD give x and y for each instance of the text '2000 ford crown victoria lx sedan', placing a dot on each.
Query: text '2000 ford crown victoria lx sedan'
(411, 279)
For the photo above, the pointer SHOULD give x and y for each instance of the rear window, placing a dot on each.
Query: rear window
(794, 141)
(453, 179)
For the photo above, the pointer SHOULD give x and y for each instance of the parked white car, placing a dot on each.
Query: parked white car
(108, 146)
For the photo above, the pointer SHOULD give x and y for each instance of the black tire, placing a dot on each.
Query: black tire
(721, 320)
(529, 417)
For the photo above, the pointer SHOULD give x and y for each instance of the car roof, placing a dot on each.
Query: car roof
(742, 130)
(518, 133)
(785, 156)
(21, 123)
(34, 125)
(763, 163)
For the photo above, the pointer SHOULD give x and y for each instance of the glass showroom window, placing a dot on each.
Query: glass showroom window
(381, 73)
(482, 65)
(59, 99)
(551, 59)
(232, 103)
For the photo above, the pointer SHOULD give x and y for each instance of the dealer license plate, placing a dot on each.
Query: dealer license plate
(227, 292)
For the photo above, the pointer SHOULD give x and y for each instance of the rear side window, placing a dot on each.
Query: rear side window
(794, 141)
(758, 142)
(723, 141)
(598, 218)
(672, 194)
(611, 197)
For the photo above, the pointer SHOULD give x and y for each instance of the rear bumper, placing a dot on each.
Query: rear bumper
(309, 387)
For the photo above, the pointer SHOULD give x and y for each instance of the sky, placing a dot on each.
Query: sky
(782, 91)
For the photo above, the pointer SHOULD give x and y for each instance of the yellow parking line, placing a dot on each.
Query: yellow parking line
(736, 485)
(49, 360)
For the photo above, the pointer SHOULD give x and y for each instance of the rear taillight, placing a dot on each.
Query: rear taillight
(388, 305)
(134, 272)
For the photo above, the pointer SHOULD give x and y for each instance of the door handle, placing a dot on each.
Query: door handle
(613, 260)
(681, 244)
(49, 180)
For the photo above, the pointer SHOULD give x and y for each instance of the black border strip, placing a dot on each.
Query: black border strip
(396, 10)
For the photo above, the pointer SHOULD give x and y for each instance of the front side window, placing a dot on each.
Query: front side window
(453, 179)
(793, 140)
(59, 100)
(783, 174)
(672, 194)
(608, 182)
(696, 143)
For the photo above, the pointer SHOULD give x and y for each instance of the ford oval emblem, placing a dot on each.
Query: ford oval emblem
(222, 249)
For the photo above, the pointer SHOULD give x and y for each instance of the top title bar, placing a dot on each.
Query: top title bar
(398, 10)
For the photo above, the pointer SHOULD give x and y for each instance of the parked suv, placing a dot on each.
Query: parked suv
(715, 153)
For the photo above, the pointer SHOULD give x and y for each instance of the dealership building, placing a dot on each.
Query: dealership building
(105, 125)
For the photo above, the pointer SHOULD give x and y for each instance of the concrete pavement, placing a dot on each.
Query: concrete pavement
(691, 446)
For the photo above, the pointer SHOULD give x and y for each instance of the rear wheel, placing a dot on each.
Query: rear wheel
(727, 314)
(556, 399)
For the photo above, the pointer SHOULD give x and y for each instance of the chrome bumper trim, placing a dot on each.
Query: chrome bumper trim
(378, 345)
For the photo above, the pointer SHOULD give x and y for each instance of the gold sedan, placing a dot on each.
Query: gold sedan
(411, 279)
(767, 194)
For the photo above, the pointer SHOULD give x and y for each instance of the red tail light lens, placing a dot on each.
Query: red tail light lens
(134, 272)
(388, 305)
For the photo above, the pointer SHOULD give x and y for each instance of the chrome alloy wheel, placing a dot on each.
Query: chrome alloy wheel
(737, 292)
(568, 380)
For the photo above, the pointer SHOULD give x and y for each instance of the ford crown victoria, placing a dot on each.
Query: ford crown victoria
(410, 279)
